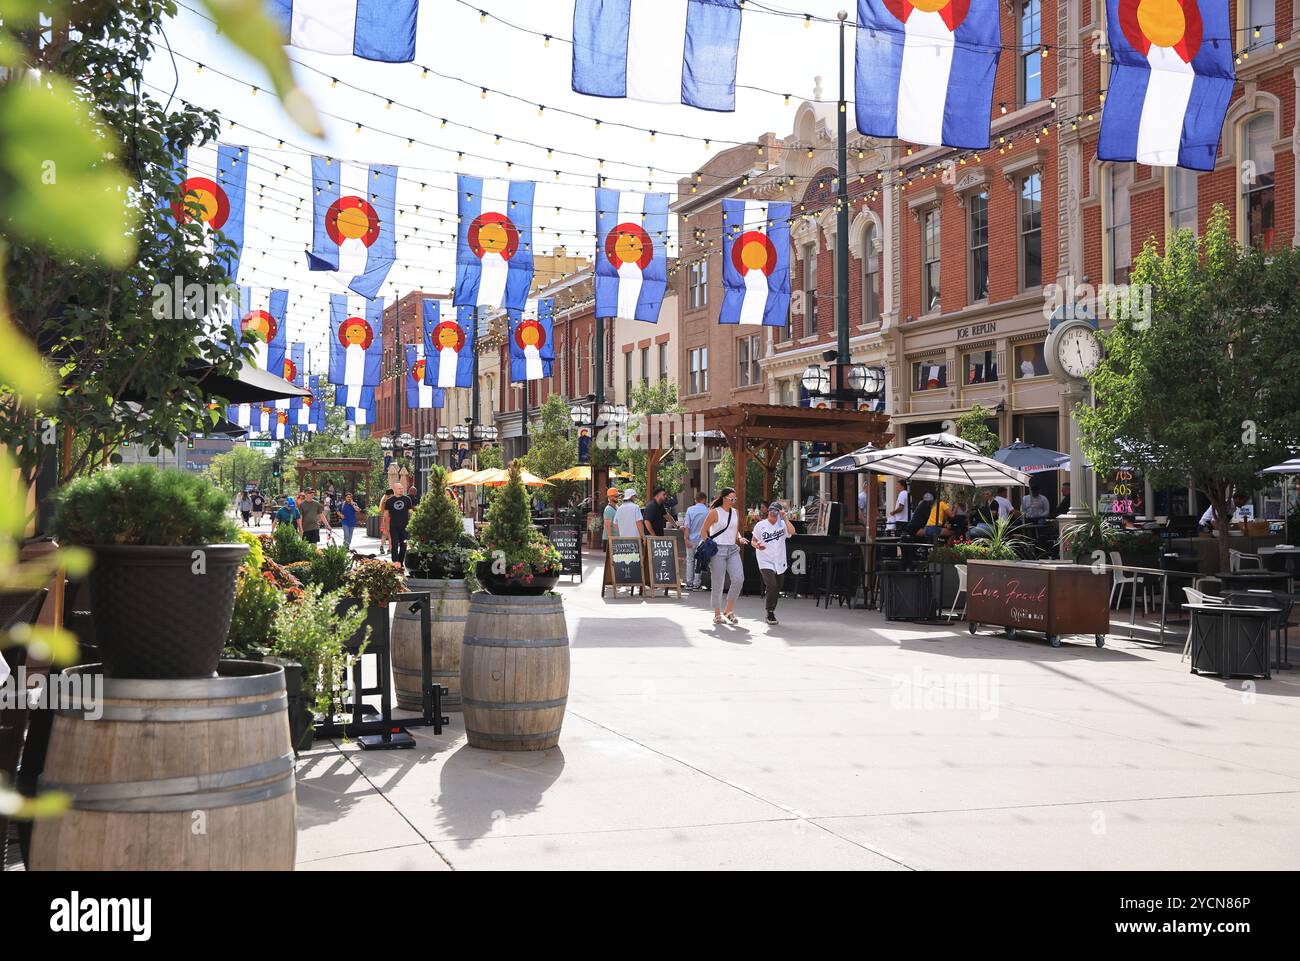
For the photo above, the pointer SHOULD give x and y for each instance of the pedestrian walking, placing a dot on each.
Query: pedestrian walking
(769, 538)
(722, 526)
(608, 529)
(259, 507)
(385, 541)
(349, 513)
(312, 517)
(695, 515)
(287, 514)
(398, 511)
(245, 507)
(628, 519)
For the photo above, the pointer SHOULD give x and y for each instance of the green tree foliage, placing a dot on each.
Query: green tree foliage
(238, 467)
(654, 397)
(435, 520)
(726, 477)
(489, 457)
(551, 449)
(973, 426)
(1207, 388)
(143, 505)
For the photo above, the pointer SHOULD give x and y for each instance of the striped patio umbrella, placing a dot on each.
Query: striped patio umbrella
(1291, 466)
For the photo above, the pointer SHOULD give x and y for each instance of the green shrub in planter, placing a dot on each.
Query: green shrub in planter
(438, 547)
(166, 559)
(288, 547)
(252, 626)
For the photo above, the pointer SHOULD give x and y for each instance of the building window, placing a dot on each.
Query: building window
(930, 261)
(1031, 232)
(1182, 200)
(699, 362)
(1120, 231)
(663, 361)
(981, 368)
(810, 290)
(698, 280)
(749, 350)
(1257, 31)
(591, 359)
(978, 208)
(645, 365)
(871, 299)
(1257, 186)
(1030, 361)
(1029, 70)
(627, 377)
(929, 375)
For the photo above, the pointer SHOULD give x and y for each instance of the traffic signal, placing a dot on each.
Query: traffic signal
(275, 470)
(189, 443)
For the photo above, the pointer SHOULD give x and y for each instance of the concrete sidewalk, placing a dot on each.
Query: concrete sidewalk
(834, 740)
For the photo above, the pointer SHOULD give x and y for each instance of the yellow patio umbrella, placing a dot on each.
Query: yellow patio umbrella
(473, 478)
(459, 475)
(501, 476)
(582, 473)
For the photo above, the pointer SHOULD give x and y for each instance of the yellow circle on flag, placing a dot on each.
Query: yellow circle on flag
(754, 256)
(353, 223)
(1162, 21)
(628, 248)
(493, 237)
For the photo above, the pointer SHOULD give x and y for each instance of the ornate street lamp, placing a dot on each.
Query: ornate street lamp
(443, 432)
(460, 432)
(816, 381)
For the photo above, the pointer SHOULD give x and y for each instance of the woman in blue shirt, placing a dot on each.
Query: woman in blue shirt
(349, 512)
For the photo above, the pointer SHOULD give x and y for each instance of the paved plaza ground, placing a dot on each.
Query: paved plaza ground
(834, 740)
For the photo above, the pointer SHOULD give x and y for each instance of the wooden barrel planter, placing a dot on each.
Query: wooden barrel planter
(176, 775)
(514, 672)
(447, 617)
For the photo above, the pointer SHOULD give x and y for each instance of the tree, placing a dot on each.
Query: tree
(338, 440)
(238, 467)
(489, 457)
(1206, 387)
(436, 520)
(653, 397)
(726, 477)
(551, 449)
(973, 426)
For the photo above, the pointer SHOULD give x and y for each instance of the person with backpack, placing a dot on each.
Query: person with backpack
(721, 549)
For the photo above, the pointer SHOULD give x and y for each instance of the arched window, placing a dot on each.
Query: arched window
(1257, 180)
(871, 299)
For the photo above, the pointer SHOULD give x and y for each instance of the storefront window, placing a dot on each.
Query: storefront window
(1121, 492)
(929, 375)
(1030, 361)
(981, 368)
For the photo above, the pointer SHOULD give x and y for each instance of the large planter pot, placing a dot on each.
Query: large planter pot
(514, 672)
(433, 566)
(514, 586)
(162, 751)
(163, 612)
(447, 615)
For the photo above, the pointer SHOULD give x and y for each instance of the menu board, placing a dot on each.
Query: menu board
(625, 562)
(662, 553)
(569, 545)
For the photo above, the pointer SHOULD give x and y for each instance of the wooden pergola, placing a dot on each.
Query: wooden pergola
(311, 468)
(762, 431)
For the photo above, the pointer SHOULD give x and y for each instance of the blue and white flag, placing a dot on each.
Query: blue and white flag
(259, 316)
(925, 73)
(212, 187)
(371, 29)
(358, 404)
(494, 243)
(631, 254)
(532, 340)
(353, 224)
(1170, 83)
(631, 48)
(247, 416)
(295, 373)
(448, 346)
(356, 340)
(755, 263)
(419, 395)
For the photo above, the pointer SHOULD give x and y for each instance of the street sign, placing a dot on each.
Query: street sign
(259, 443)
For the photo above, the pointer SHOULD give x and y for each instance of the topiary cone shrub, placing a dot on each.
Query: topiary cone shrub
(519, 560)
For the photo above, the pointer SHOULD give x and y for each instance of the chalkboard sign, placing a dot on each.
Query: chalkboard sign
(663, 564)
(625, 562)
(567, 543)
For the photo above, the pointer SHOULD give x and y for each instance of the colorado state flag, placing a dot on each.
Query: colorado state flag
(448, 346)
(532, 342)
(372, 29)
(212, 186)
(1170, 82)
(494, 243)
(261, 314)
(419, 395)
(755, 262)
(356, 340)
(353, 230)
(631, 254)
(358, 404)
(925, 70)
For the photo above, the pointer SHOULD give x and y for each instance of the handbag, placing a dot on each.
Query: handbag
(704, 553)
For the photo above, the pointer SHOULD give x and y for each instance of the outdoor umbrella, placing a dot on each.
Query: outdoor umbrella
(499, 476)
(1031, 458)
(472, 478)
(930, 461)
(1291, 466)
(251, 385)
(458, 475)
(582, 473)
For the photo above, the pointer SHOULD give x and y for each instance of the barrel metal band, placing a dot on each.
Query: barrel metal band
(416, 672)
(516, 705)
(188, 784)
(515, 737)
(192, 802)
(212, 712)
(472, 641)
(245, 685)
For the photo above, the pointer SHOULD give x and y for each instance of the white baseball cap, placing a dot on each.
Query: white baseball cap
(629, 493)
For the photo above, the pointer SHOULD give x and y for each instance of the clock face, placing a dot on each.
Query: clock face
(1079, 351)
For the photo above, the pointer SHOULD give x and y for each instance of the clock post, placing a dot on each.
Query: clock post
(1070, 365)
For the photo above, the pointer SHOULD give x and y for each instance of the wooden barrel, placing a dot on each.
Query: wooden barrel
(514, 672)
(447, 622)
(193, 774)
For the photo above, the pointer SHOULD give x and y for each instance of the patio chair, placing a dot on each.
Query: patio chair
(1132, 581)
(961, 589)
(1240, 561)
(1195, 597)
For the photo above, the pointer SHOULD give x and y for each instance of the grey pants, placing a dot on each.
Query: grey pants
(726, 561)
(773, 582)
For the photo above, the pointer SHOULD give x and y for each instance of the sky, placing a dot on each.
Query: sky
(777, 53)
